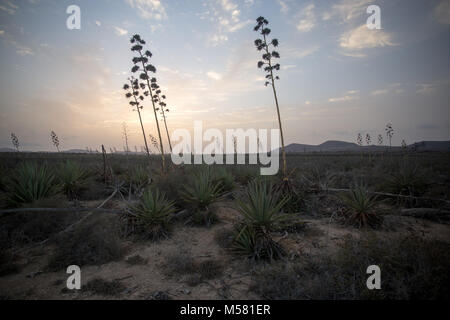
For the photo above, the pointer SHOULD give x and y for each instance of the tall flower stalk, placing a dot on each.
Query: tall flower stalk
(143, 59)
(55, 140)
(134, 95)
(267, 61)
(159, 99)
(389, 133)
(15, 141)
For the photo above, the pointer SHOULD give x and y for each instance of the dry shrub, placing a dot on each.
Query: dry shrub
(183, 264)
(94, 243)
(103, 287)
(411, 268)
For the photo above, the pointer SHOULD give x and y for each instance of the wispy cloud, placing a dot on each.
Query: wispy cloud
(226, 16)
(9, 7)
(379, 92)
(351, 95)
(344, 98)
(426, 88)
(347, 10)
(284, 8)
(149, 9)
(297, 53)
(120, 32)
(214, 75)
(363, 38)
(307, 19)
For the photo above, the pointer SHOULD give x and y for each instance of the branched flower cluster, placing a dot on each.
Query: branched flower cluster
(266, 45)
(55, 140)
(15, 141)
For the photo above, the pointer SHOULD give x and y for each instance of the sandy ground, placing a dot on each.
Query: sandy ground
(143, 281)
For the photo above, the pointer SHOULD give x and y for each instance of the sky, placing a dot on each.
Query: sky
(338, 78)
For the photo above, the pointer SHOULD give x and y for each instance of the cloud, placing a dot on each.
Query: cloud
(217, 39)
(307, 20)
(214, 75)
(348, 97)
(344, 98)
(120, 32)
(21, 50)
(379, 92)
(363, 38)
(295, 53)
(348, 10)
(9, 7)
(226, 16)
(442, 12)
(283, 6)
(426, 88)
(228, 5)
(288, 66)
(155, 27)
(149, 9)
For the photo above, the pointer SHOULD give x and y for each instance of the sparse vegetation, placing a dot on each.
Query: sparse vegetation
(103, 287)
(151, 217)
(200, 193)
(71, 176)
(30, 182)
(95, 243)
(261, 210)
(413, 268)
(360, 207)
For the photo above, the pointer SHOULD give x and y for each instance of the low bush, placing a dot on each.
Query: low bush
(411, 268)
(94, 243)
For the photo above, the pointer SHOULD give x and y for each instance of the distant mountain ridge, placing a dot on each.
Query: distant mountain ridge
(339, 146)
(327, 146)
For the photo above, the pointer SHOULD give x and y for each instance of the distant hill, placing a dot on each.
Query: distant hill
(340, 146)
(75, 151)
(7, 150)
(327, 146)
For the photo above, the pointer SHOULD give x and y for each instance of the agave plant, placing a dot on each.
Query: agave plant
(360, 207)
(151, 217)
(225, 178)
(71, 176)
(201, 193)
(30, 182)
(269, 65)
(262, 207)
(408, 179)
(142, 65)
(139, 178)
(257, 244)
